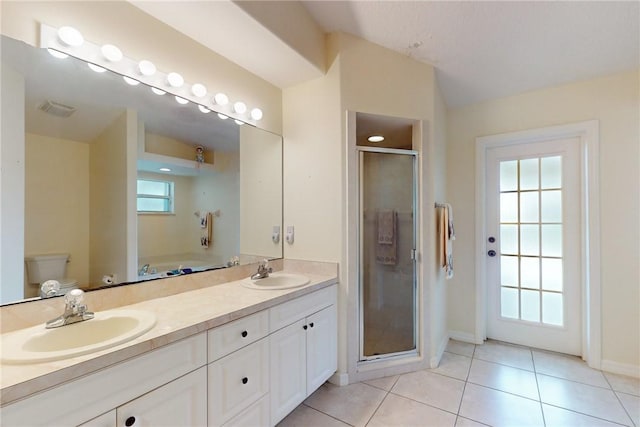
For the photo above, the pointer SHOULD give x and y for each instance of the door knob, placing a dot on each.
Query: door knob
(491, 253)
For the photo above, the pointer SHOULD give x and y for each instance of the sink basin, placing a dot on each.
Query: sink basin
(277, 281)
(107, 329)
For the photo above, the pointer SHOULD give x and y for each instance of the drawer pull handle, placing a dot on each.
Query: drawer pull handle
(311, 324)
(304, 327)
(245, 380)
(244, 334)
(129, 422)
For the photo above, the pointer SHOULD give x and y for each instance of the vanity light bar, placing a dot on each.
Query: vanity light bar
(69, 41)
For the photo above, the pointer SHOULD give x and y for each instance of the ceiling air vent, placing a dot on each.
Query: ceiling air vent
(57, 109)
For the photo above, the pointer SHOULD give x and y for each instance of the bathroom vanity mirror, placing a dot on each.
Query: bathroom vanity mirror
(133, 185)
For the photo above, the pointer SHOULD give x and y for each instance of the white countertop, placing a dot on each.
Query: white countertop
(178, 316)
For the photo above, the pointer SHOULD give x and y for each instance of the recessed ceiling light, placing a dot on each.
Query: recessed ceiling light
(376, 138)
(165, 169)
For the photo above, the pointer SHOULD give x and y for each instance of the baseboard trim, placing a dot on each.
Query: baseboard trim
(620, 368)
(339, 379)
(464, 337)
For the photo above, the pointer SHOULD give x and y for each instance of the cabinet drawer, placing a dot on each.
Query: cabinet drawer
(294, 310)
(237, 380)
(234, 335)
(108, 388)
(255, 415)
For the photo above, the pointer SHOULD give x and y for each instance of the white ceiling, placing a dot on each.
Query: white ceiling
(481, 50)
(485, 50)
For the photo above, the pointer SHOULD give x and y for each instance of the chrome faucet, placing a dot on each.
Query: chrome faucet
(263, 271)
(144, 270)
(74, 310)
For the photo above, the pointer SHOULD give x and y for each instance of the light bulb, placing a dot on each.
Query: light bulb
(130, 81)
(375, 138)
(256, 114)
(70, 36)
(182, 101)
(204, 109)
(240, 107)
(175, 80)
(165, 169)
(57, 54)
(157, 91)
(146, 68)
(239, 122)
(96, 68)
(111, 53)
(222, 116)
(221, 99)
(199, 90)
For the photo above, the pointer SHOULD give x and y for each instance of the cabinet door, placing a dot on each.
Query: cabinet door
(322, 352)
(288, 369)
(182, 402)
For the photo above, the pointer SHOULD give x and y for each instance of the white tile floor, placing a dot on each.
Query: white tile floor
(492, 384)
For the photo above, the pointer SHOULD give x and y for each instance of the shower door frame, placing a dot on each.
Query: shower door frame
(414, 251)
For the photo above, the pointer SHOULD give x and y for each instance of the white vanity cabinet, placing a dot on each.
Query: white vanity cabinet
(83, 399)
(304, 352)
(238, 375)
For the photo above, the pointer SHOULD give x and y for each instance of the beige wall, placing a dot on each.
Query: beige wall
(166, 146)
(260, 192)
(108, 202)
(362, 77)
(220, 191)
(57, 201)
(614, 101)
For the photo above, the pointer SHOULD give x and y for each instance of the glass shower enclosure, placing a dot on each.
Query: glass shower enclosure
(387, 247)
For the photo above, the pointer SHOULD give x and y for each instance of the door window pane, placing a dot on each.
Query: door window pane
(509, 303)
(551, 172)
(529, 174)
(552, 274)
(509, 239)
(551, 206)
(509, 271)
(529, 239)
(509, 175)
(552, 240)
(529, 206)
(509, 207)
(530, 305)
(530, 272)
(552, 312)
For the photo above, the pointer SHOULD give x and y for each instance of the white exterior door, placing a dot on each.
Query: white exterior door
(533, 247)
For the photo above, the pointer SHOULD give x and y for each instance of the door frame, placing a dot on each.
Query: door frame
(360, 268)
(588, 134)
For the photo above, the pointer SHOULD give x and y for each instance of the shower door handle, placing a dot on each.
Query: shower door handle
(414, 255)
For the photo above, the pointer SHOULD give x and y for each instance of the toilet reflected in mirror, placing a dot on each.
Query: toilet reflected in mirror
(43, 267)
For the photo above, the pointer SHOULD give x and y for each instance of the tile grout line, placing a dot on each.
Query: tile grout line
(535, 375)
(615, 393)
(573, 411)
(378, 407)
(328, 415)
(466, 380)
